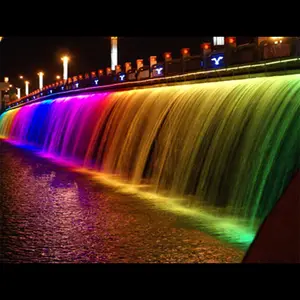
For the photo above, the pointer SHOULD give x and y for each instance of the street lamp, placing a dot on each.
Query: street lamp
(1, 38)
(26, 87)
(65, 60)
(57, 77)
(21, 77)
(18, 92)
(114, 52)
(41, 74)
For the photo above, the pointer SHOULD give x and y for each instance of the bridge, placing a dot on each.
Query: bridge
(263, 57)
(218, 144)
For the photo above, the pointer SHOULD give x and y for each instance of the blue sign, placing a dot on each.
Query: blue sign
(122, 76)
(158, 71)
(217, 60)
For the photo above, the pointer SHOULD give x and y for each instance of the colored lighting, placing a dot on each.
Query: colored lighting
(96, 81)
(225, 139)
(57, 77)
(168, 56)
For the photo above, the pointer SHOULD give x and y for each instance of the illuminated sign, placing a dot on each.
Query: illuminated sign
(122, 76)
(217, 60)
(96, 81)
(157, 71)
(76, 84)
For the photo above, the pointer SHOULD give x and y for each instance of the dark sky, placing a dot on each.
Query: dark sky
(28, 55)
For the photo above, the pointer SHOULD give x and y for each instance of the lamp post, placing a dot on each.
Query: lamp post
(114, 52)
(26, 87)
(40, 74)
(18, 92)
(65, 60)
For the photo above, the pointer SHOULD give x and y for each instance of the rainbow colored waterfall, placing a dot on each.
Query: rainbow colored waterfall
(232, 145)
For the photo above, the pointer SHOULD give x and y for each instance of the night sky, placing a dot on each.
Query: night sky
(28, 55)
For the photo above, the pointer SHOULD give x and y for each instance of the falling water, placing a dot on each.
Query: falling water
(230, 145)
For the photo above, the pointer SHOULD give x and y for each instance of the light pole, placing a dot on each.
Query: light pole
(65, 60)
(114, 51)
(18, 92)
(41, 74)
(26, 87)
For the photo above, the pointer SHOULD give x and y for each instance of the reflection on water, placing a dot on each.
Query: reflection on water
(50, 214)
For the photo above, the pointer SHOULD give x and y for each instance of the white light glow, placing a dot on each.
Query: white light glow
(41, 74)
(65, 60)
(114, 52)
(96, 81)
(77, 84)
(219, 40)
(159, 70)
(217, 60)
(18, 92)
(26, 88)
(122, 77)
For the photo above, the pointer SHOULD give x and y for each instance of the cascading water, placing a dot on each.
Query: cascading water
(231, 145)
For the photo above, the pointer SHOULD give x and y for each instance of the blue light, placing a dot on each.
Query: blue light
(96, 81)
(50, 91)
(62, 87)
(217, 60)
(76, 84)
(41, 94)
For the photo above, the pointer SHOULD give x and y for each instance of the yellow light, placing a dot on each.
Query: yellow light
(57, 77)
(65, 58)
(1, 37)
(10, 85)
(21, 77)
(27, 82)
(276, 37)
(6, 79)
(40, 73)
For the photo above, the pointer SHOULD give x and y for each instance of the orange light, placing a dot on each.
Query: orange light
(100, 72)
(57, 77)
(80, 77)
(167, 55)
(231, 40)
(205, 46)
(185, 51)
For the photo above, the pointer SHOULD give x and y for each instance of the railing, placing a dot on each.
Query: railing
(217, 64)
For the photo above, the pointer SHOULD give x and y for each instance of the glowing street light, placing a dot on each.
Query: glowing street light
(18, 92)
(10, 85)
(41, 74)
(6, 79)
(57, 77)
(26, 87)
(21, 77)
(65, 60)
(1, 38)
(114, 52)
